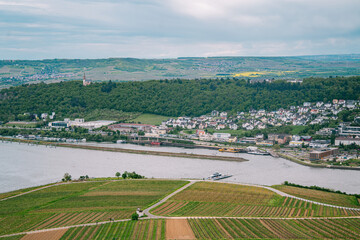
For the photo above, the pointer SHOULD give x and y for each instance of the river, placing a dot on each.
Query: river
(23, 165)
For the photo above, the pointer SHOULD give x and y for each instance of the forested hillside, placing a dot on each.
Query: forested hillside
(171, 98)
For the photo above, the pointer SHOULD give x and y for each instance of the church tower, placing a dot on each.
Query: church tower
(85, 83)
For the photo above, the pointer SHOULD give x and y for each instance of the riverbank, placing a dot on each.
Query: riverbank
(132, 151)
(298, 161)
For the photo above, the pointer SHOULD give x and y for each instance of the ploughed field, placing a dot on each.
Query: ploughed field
(231, 200)
(78, 203)
(337, 199)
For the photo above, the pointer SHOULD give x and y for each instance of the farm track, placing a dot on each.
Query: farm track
(152, 216)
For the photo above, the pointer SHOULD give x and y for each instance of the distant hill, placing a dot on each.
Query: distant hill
(170, 98)
(17, 72)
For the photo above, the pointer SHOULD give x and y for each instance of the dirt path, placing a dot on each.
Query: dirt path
(50, 235)
(147, 211)
(178, 229)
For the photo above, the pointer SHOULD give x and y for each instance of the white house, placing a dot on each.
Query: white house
(222, 136)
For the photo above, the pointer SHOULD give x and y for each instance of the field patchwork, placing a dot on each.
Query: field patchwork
(80, 203)
(230, 200)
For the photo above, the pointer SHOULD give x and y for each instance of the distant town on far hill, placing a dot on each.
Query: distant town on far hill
(17, 72)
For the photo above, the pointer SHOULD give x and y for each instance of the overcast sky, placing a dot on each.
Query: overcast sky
(38, 29)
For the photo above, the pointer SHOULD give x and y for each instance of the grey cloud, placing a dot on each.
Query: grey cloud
(172, 28)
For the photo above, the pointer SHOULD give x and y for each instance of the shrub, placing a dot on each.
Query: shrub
(135, 216)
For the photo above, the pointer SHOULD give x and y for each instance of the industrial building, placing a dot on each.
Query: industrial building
(321, 154)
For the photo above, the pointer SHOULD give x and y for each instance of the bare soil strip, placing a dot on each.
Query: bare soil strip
(178, 229)
(50, 235)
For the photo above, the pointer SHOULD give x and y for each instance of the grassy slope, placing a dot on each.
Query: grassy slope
(19, 191)
(219, 199)
(321, 196)
(150, 119)
(79, 203)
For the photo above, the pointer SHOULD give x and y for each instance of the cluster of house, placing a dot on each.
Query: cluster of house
(42, 116)
(216, 120)
(308, 113)
(42, 76)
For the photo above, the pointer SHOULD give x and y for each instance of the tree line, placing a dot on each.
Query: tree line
(171, 97)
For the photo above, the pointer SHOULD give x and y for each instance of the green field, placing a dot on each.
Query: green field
(219, 199)
(79, 203)
(16, 192)
(150, 119)
(321, 196)
(107, 114)
(21, 124)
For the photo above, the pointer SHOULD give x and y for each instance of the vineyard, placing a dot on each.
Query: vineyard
(105, 201)
(218, 199)
(146, 229)
(79, 203)
(17, 237)
(223, 228)
(219, 228)
(321, 196)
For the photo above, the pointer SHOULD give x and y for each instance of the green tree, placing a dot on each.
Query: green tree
(276, 147)
(67, 177)
(135, 216)
(117, 174)
(332, 139)
(124, 175)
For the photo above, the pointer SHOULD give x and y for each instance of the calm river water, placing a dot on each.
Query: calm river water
(23, 165)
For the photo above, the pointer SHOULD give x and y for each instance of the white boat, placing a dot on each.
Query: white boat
(258, 153)
(218, 176)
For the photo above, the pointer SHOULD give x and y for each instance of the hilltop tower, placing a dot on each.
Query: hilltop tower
(85, 82)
